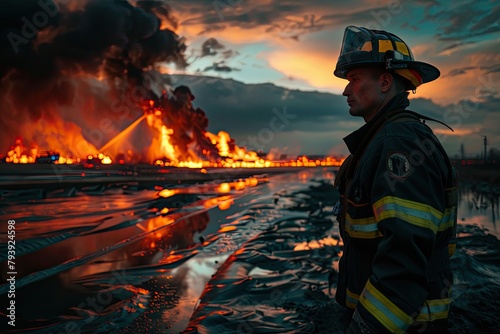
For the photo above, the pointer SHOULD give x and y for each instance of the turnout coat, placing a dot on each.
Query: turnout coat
(397, 220)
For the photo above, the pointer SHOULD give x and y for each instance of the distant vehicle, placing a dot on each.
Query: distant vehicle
(47, 157)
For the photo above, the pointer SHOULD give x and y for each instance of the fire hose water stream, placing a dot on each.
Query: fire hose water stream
(122, 134)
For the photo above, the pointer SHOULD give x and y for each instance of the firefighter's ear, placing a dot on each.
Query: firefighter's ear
(386, 81)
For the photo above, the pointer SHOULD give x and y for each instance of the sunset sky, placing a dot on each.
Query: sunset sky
(245, 61)
(295, 44)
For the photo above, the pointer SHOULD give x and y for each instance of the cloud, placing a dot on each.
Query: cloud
(272, 18)
(318, 121)
(211, 47)
(459, 71)
(486, 69)
(465, 73)
(455, 45)
(465, 20)
(229, 54)
(316, 68)
(490, 104)
(429, 3)
(220, 67)
(450, 35)
(244, 15)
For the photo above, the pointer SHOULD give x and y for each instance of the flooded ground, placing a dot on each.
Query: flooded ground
(255, 255)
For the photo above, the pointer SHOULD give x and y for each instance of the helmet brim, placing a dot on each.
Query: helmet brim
(427, 71)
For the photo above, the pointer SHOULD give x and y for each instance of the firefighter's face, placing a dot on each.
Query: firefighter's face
(364, 93)
(184, 99)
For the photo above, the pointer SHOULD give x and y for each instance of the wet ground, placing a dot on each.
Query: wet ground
(255, 255)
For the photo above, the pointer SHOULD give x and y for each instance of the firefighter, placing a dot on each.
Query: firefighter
(397, 213)
(183, 97)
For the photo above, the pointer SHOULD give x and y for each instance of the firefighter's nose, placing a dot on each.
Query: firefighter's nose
(347, 90)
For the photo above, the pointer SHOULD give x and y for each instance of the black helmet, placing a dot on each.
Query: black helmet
(184, 90)
(365, 47)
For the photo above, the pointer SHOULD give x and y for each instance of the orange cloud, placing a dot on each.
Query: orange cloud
(313, 68)
(234, 35)
(468, 82)
(457, 131)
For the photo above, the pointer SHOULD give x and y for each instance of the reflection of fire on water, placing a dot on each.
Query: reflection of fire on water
(224, 199)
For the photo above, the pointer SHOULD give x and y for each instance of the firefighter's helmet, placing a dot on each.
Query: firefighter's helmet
(185, 91)
(366, 47)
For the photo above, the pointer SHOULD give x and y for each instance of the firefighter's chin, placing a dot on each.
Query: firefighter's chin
(353, 111)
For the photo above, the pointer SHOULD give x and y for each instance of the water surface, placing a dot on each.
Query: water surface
(252, 255)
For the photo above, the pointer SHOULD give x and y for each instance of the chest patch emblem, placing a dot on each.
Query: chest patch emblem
(398, 165)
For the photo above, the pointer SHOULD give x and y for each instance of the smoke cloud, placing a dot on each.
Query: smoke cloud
(52, 52)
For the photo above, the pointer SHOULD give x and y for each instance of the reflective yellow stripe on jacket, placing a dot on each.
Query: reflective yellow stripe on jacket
(384, 310)
(449, 219)
(365, 228)
(409, 211)
(351, 299)
(434, 310)
(392, 317)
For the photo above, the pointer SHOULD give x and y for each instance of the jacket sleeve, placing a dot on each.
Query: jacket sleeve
(408, 203)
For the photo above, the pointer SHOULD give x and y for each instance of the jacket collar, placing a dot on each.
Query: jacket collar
(354, 139)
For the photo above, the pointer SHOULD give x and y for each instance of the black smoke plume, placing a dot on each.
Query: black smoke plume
(50, 51)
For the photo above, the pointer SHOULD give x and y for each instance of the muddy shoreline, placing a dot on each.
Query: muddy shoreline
(262, 258)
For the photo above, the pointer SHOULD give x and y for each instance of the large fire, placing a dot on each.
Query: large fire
(84, 90)
(195, 148)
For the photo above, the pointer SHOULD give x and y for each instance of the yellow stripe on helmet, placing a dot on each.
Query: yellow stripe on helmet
(401, 47)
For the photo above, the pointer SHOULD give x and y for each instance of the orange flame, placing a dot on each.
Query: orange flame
(18, 153)
(224, 188)
(68, 145)
(165, 193)
(161, 147)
